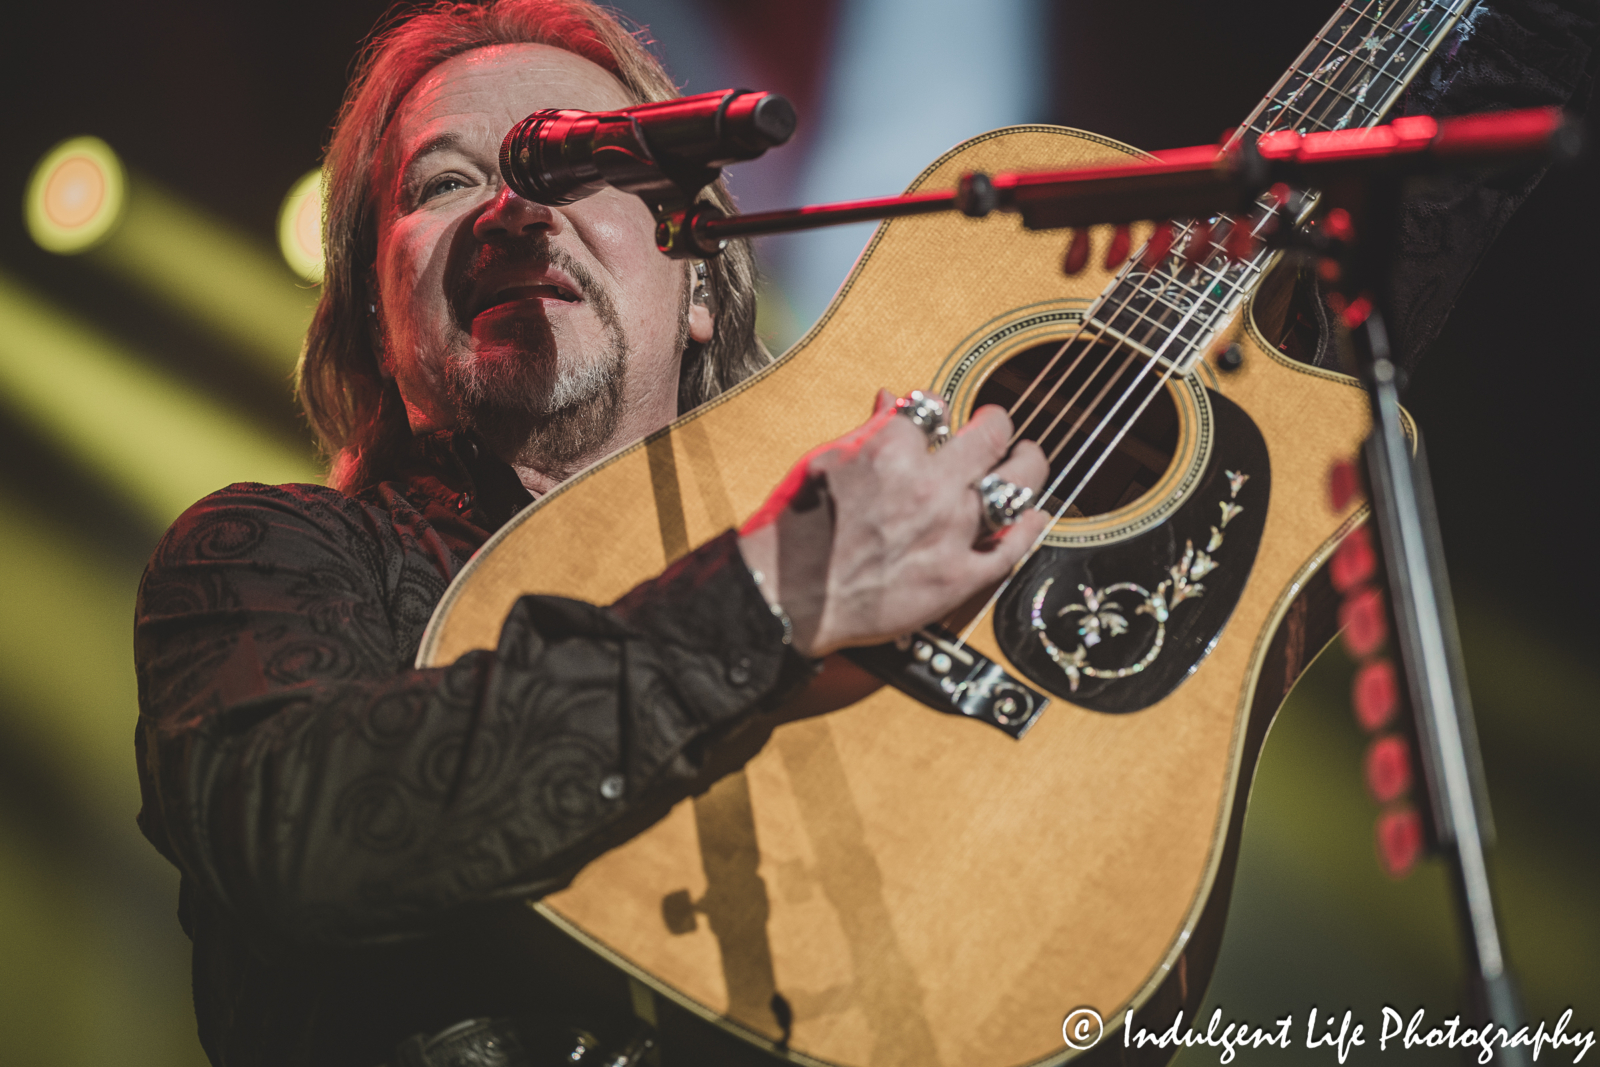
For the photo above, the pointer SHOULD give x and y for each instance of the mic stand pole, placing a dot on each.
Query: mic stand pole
(1424, 616)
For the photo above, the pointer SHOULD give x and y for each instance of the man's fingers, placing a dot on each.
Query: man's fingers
(979, 444)
(1000, 553)
(1025, 466)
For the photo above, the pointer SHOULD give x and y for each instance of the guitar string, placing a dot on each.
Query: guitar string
(1089, 342)
(1133, 288)
(1173, 255)
(1123, 279)
(1038, 542)
(1307, 66)
(1310, 68)
(1353, 28)
(1211, 284)
(1128, 423)
(1163, 281)
(1202, 264)
(966, 632)
(1204, 293)
(1099, 335)
(1156, 356)
(1402, 23)
(1140, 347)
(1221, 306)
(1401, 16)
(1310, 76)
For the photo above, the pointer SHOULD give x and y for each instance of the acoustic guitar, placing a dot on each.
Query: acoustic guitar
(1043, 816)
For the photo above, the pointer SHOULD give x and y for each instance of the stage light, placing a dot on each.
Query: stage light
(300, 227)
(75, 196)
(160, 442)
(227, 281)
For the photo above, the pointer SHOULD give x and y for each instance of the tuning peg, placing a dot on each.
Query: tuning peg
(1337, 226)
(1344, 482)
(1160, 243)
(1375, 693)
(1388, 768)
(1399, 834)
(1354, 562)
(1199, 249)
(1121, 242)
(1077, 252)
(1364, 620)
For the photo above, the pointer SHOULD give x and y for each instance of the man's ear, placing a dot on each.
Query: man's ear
(701, 324)
(701, 317)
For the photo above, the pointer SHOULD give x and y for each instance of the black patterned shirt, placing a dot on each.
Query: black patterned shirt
(349, 828)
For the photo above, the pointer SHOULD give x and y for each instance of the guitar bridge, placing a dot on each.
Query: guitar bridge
(958, 680)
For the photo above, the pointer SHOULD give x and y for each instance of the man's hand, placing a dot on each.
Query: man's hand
(872, 535)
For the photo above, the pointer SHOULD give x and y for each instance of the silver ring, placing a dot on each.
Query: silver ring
(1003, 501)
(926, 414)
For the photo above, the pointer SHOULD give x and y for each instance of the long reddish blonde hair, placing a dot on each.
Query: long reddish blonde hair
(354, 408)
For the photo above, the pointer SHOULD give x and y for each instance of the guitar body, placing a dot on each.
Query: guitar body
(914, 888)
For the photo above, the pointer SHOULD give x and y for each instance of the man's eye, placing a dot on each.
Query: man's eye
(445, 183)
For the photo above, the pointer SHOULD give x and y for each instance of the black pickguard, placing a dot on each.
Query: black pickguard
(1127, 623)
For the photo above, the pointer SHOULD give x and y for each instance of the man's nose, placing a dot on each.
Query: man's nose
(510, 216)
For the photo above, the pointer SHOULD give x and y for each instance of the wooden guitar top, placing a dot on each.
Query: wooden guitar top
(918, 888)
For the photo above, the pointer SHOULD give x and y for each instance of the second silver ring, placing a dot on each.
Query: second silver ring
(1002, 501)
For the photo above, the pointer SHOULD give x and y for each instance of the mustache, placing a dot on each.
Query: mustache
(493, 258)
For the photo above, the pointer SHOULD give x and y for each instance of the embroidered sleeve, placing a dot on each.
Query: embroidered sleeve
(305, 778)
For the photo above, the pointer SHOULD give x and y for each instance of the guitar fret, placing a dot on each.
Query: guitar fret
(1383, 70)
(1332, 88)
(1157, 294)
(1147, 305)
(1186, 299)
(1388, 44)
(1205, 292)
(1212, 296)
(1197, 321)
(1350, 74)
(1127, 326)
(1116, 335)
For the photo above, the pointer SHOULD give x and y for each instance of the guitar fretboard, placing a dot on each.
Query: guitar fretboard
(1357, 66)
(1350, 75)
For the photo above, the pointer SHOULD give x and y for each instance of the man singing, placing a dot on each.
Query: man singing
(354, 835)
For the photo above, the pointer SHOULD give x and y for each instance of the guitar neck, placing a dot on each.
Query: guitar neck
(1350, 75)
(1357, 66)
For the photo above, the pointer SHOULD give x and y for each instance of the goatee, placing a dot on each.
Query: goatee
(532, 408)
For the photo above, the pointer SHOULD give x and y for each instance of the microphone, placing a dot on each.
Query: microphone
(664, 152)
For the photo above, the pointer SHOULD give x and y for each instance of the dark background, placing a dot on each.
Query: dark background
(227, 104)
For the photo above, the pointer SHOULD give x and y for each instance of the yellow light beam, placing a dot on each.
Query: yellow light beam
(235, 287)
(66, 658)
(163, 443)
(66, 670)
(80, 198)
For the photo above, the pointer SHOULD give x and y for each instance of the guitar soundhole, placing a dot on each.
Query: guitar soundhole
(1096, 383)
